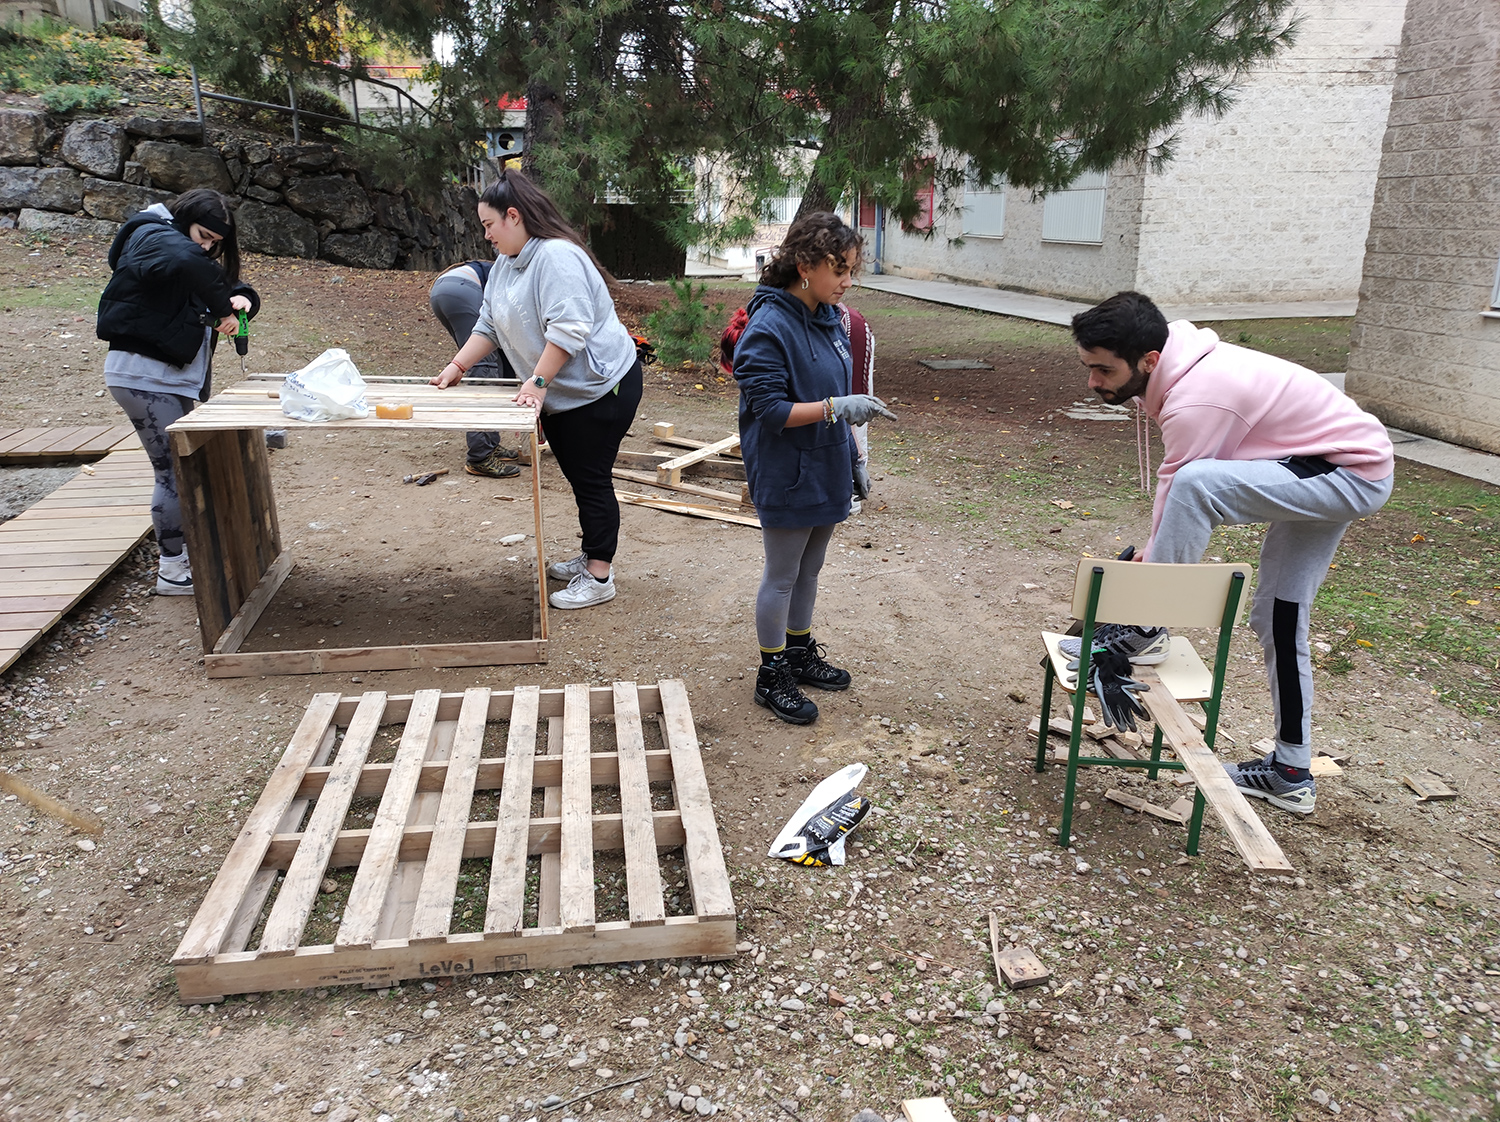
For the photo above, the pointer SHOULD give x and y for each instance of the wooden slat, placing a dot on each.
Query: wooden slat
(543, 837)
(642, 872)
(434, 908)
(247, 664)
(707, 876)
(373, 881)
(299, 892)
(1245, 829)
(247, 917)
(205, 934)
(44, 438)
(250, 611)
(549, 883)
(692, 510)
(505, 908)
(546, 772)
(406, 884)
(681, 486)
(577, 870)
(77, 438)
(671, 471)
(541, 553)
(708, 469)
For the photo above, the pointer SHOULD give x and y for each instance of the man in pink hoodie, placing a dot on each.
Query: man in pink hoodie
(1248, 438)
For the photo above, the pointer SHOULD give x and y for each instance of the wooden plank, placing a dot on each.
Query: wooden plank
(433, 914)
(461, 956)
(373, 881)
(546, 772)
(541, 553)
(1245, 829)
(247, 917)
(1429, 788)
(505, 908)
(686, 488)
(708, 469)
(250, 611)
(601, 703)
(692, 510)
(642, 871)
(671, 471)
(576, 873)
(411, 867)
(703, 853)
(1020, 968)
(68, 445)
(684, 442)
(926, 1110)
(549, 883)
(12, 438)
(1144, 806)
(109, 440)
(43, 439)
(205, 934)
(299, 891)
(248, 664)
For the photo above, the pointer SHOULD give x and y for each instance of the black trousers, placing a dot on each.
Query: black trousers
(585, 441)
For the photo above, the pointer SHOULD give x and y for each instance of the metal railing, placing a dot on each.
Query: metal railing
(296, 113)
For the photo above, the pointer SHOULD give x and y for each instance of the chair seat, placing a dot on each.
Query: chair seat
(1183, 672)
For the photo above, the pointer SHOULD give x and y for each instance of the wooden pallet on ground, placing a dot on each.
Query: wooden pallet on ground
(62, 442)
(398, 920)
(55, 552)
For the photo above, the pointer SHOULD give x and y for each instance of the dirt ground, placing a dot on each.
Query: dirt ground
(1367, 984)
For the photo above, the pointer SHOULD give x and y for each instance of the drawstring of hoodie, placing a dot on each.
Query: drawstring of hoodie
(1143, 444)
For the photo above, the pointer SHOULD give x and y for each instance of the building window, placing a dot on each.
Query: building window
(866, 213)
(984, 207)
(781, 210)
(922, 220)
(1076, 213)
(1495, 295)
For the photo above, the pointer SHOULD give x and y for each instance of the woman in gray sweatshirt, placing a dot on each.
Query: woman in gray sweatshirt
(547, 308)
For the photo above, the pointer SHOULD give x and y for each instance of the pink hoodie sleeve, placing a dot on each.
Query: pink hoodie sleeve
(1193, 432)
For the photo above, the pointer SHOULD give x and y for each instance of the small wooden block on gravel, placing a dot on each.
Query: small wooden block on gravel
(926, 1110)
(1431, 790)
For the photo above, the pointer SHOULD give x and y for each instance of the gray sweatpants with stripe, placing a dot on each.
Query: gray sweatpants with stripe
(1307, 516)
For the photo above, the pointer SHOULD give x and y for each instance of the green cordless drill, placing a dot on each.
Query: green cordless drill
(242, 341)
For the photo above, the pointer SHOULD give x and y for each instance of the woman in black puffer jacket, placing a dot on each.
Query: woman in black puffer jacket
(176, 284)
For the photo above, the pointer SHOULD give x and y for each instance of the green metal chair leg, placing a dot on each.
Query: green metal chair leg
(1155, 754)
(1041, 737)
(1195, 824)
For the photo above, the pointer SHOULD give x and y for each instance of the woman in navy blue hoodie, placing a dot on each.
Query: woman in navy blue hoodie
(794, 370)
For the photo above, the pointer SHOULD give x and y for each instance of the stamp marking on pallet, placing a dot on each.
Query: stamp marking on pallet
(400, 910)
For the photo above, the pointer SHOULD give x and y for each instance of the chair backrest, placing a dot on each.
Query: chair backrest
(1154, 595)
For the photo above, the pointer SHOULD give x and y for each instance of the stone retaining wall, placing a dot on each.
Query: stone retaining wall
(308, 200)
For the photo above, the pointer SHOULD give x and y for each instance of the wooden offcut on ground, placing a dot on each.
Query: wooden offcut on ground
(398, 919)
(62, 442)
(54, 553)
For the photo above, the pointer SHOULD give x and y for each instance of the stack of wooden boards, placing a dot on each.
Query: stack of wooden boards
(690, 473)
(54, 553)
(398, 919)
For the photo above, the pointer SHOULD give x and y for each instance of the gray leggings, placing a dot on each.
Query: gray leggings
(151, 413)
(1308, 516)
(455, 300)
(789, 585)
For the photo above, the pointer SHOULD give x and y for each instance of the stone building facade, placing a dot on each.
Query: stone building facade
(1271, 202)
(1426, 347)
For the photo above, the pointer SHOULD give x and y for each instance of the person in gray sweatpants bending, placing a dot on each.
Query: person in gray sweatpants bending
(455, 299)
(1248, 438)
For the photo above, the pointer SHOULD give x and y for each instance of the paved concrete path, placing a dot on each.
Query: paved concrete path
(1450, 457)
(1049, 309)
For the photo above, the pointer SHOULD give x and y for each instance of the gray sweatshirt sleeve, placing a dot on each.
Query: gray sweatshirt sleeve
(564, 295)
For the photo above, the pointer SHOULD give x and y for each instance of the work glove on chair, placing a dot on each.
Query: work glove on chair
(1111, 683)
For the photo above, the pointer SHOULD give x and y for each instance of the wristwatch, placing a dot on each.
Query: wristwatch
(538, 380)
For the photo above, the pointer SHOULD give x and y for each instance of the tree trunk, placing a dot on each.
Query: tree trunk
(544, 114)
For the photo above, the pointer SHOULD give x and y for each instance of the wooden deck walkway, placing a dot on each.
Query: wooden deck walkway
(61, 442)
(53, 554)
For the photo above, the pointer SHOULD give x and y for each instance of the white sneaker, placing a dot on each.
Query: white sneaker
(174, 576)
(567, 570)
(584, 591)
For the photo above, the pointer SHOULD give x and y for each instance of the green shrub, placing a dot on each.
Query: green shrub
(684, 329)
(67, 98)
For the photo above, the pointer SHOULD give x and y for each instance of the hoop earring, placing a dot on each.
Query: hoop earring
(804, 282)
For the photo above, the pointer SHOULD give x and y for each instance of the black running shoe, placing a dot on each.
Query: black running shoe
(808, 665)
(776, 690)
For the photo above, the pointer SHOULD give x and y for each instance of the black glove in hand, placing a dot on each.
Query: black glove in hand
(861, 481)
(1109, 677)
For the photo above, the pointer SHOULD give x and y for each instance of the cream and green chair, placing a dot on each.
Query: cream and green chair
(1178, 597)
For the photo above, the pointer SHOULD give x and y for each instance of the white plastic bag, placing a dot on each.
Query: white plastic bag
(815, 834)
(328, 388)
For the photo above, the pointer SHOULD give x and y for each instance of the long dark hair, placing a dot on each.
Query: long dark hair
(539, 214)
(813, 239)
(211, 210)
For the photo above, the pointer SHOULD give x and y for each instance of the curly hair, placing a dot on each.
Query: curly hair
(811, 241)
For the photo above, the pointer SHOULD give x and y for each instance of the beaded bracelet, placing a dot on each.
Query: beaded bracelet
(828, 417)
